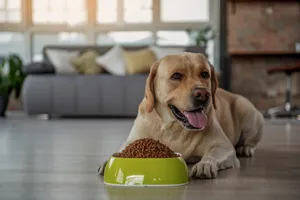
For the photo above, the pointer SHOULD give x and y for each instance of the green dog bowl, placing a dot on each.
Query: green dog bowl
(146, 172)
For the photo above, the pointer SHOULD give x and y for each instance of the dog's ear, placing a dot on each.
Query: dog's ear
(149, 90)
(214, 84)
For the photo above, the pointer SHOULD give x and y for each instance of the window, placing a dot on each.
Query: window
(138, 11)
(11, 42)
(71, 12)
(180, 38)
(101, 22)
(134, 11)
(107, 11)
(10, 11)
(41, 40)
(126, 38)
(183, 11)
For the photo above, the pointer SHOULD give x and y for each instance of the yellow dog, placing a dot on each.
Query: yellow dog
(184, 109)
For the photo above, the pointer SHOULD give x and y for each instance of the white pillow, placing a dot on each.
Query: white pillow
(113, 61)
(161, 52)
(61, 60)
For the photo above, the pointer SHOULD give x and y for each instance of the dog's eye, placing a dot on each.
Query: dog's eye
(205, 75)
(176, 76)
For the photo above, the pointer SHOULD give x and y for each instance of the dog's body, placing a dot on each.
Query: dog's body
(173, 107)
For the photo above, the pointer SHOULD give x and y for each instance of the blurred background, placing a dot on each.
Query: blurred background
(73, 73)
(243, 39)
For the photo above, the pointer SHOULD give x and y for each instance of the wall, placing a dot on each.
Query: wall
(262, 34)
(249, 78)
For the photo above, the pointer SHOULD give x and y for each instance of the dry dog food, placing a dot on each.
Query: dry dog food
(146, 148)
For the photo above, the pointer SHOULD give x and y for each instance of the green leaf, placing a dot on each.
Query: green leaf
(15, 78)
(188, 30)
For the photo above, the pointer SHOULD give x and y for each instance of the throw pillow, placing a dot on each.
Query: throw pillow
(138, 61)
(61, 60)
(86, 63)
(112, 61)
(39, 68)
(161, 52)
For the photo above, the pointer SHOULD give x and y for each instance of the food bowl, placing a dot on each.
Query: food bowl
(146, 171)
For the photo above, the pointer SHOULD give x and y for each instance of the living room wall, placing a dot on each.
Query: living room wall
(262, 35)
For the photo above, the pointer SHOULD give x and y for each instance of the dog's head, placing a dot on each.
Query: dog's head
(182, 87)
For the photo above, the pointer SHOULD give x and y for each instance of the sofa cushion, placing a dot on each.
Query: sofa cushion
(112, 61)
(86, 63)
(61, 60)
(138, 61)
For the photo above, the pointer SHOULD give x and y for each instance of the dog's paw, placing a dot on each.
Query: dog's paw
(102, 168)
(245, 151)
(204, 170)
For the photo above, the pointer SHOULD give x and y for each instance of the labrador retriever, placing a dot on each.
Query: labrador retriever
(184, 109)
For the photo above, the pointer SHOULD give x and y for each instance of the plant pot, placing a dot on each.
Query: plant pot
(3, 104)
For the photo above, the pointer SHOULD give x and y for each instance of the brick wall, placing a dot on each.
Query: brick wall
(251, 28)
(250, 79)
(263, 27)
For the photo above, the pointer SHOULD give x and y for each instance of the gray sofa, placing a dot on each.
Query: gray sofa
(45, 92)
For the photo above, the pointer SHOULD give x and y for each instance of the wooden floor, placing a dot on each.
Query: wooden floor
(58, 159)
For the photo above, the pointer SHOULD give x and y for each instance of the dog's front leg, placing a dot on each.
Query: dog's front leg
(214, 160)
(218, 154)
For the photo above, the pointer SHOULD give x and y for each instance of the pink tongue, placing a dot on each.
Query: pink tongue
(196, 119)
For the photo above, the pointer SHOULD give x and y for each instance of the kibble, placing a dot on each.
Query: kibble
(146, 148)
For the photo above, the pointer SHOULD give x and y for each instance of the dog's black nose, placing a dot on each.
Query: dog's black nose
(200, 96)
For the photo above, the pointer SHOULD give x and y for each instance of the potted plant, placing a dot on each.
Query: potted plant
(11, 79)
(201, 37)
